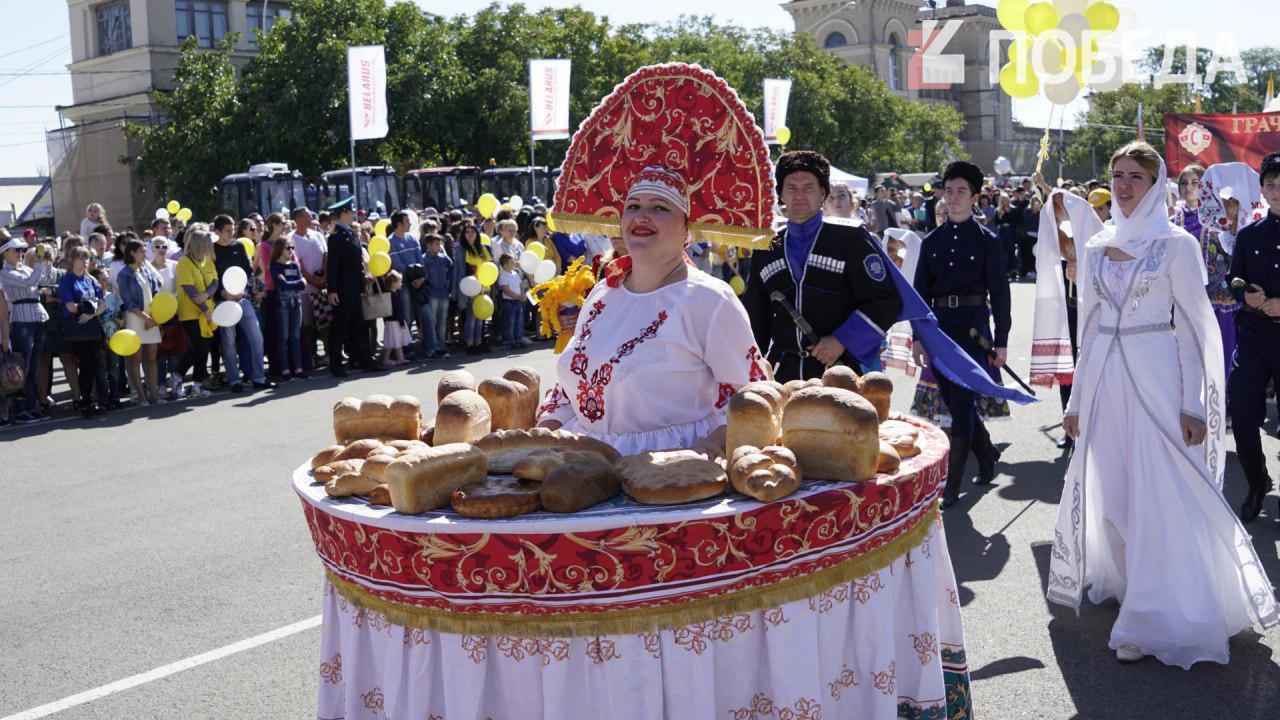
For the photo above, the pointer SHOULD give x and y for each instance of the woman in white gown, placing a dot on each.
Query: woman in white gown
(1142, 517)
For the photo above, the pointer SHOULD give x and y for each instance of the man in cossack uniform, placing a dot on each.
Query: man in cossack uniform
(961, 275)
(1256, 261)
(829, 269)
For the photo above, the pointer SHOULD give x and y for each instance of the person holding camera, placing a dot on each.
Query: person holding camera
(21, 286)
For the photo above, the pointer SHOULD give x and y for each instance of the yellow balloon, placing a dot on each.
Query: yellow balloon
(1020, 50)
(482, 306)
(382, 227)
(487, 274)
(487, 204)
(379, 244)
(125, 343)
(1102, 17)
(164, 306)
(927, 187)
(184, 214)
(173, 206)
(1018, 88)
(738, 285)
(538, 249)
(784, 136)
(485, 239)
(379, 264)
(249, 248)
(1010, 13)
(1040, 17)
(551, 223)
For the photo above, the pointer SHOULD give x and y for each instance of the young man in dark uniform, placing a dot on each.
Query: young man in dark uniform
(961, 275)
(829, 270)
(1256, 261)
(344, 271)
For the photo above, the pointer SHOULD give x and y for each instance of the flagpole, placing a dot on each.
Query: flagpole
(533, 173)
(355, 194)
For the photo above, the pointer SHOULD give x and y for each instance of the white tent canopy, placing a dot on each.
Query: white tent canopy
(857, 184)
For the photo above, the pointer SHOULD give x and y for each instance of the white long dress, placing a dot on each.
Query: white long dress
(654, 371)
(1142, 517)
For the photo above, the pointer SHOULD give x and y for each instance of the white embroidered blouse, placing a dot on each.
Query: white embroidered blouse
(654, 371)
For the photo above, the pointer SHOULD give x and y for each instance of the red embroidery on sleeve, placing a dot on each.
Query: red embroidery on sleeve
(555, 399)
(756, 372)
(726, 392)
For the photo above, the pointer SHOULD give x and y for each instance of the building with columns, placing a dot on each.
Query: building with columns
(122, 53)
(874, 34)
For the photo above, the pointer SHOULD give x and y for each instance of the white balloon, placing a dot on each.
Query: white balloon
(1075, 25)
(1064, 92)
(234, 280)
(529, 262)
(414, 222)
(227, 313)
(546, 270)
(1003, 166)
(1068, 7)
(516, 202)
(469, 286)
(162, 214)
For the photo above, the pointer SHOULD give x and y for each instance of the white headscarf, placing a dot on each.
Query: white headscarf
(1223, 180)
(1051, 357)
(1134, 234)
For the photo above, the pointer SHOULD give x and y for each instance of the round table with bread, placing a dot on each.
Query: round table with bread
(479, 567)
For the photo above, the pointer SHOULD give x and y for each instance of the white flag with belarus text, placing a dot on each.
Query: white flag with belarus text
(777, 93)
(367, 84)
(549, 99)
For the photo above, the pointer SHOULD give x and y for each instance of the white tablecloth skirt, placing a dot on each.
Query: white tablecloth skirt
(887, 645)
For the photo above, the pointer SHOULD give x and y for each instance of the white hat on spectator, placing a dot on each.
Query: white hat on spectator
(14, 244)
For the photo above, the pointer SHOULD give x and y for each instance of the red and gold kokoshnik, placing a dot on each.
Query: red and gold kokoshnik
(690, 122)
(636, 577)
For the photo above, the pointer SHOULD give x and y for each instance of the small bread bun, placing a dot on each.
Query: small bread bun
(507, 403)
(877, 388)
(326, 456)
(841, 376)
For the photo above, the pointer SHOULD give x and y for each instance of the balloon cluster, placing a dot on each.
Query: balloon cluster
(174, 209)
(1056, 51)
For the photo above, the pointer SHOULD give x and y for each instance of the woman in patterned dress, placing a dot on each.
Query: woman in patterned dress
(660, 346)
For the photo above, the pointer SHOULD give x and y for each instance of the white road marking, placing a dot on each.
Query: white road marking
(164, 671)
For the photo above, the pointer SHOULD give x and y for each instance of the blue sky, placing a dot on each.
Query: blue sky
(37, 43)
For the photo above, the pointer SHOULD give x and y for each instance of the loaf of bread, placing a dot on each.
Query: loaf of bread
(326, 456)
(505, 447)
(539, 463)
(497, 498)
(337, 468)
(346, 485)
(426, 481)
(454, 381)
(665, 477)
(532, 393)
(840, 376)
(507, 403)
(766, 474)
(359, 449)
(377, 416)
(902, 436)
(833, 434)
(462, 417)
(888, 459)
(877, 388)
(581, 483)
(754, 417)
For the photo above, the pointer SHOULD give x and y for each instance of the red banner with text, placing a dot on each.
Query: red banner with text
(1208, 139)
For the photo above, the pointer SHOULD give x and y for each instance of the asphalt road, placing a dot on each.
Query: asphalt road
(143, 538)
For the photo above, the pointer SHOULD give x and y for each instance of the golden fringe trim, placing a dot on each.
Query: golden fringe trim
(645, 619)
(750, 238)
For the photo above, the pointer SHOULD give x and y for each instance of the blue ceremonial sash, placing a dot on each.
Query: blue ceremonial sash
(945, 356)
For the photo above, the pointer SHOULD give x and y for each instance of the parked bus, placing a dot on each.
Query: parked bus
(266, 188)
(440, 187)
(377, 185)
(505, 182)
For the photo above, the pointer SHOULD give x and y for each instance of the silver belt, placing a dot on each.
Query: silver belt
(1135, 330)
